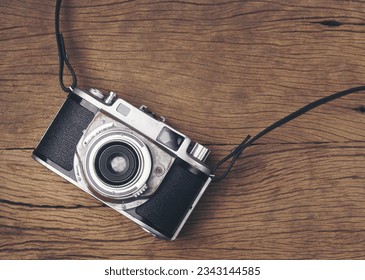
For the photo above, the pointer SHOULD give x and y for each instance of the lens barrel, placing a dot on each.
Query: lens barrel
(117, 164)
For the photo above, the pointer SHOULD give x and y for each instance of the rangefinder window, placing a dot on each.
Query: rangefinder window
(170, 139)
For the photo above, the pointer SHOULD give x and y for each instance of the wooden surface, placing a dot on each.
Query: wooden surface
(217, 70)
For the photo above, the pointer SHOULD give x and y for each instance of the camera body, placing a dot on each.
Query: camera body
(128, 158)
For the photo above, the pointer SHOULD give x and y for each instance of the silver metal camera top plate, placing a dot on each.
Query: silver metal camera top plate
(145, 125)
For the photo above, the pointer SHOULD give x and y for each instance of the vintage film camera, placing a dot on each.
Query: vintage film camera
(127, 158)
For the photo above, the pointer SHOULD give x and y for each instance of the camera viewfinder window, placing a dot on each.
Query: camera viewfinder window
(170, 138)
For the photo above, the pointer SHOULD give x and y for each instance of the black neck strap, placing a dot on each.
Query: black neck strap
(235, 154)
(62, 54)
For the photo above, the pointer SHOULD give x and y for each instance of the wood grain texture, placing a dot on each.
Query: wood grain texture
(217, 70)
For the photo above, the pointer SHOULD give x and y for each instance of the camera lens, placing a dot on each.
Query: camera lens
(116, 163)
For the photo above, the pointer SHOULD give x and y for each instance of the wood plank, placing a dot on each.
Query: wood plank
(281, 201)
(217, 71)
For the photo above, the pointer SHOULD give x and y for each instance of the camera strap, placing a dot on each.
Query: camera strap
(231, 158)
(235, 154)
(62, 54)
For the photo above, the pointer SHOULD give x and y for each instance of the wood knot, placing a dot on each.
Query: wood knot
(329, 23)
(360, 109)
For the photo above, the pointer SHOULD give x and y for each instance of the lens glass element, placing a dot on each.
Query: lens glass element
(116, 163)
(119, 164)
